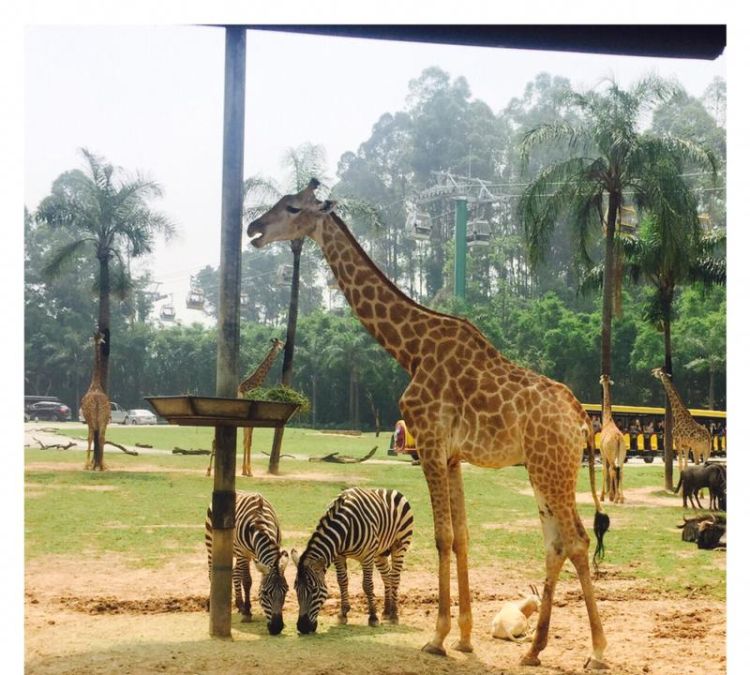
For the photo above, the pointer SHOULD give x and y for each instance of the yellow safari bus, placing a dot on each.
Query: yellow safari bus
(643, 428)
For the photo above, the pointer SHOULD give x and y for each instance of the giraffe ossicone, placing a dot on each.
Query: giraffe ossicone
(464, 401)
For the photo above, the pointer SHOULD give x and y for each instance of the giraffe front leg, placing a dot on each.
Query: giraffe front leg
(211, 457)
(605, 477)
(87, 465)
(247, 446)
(436, 474)
(581, 563)
(461, 550)
(343, 580)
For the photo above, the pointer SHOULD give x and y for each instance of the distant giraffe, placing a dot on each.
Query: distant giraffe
(613, 447)
(95, 410)
(253, 380)
(687, 434)
(464, 401)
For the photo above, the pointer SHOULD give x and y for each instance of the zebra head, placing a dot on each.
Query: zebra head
(273, 590)
(310, 584)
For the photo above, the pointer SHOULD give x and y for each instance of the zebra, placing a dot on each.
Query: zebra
(257, 537)
(368, 525)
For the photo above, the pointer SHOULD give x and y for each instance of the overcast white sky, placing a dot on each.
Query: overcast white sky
(150, 98)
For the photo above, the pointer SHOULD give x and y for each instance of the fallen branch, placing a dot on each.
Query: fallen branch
(336, 458)
(143, 445)
(182, 451)
(124, 449)
(268, 454)
(55, 446)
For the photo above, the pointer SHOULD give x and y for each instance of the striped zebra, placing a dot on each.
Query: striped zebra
(367, 525)
(257, 537)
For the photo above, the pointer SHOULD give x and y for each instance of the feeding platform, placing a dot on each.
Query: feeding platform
(209, 411)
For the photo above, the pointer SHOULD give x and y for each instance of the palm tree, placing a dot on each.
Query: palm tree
(668, 256)
(106, 213)
(610, 161)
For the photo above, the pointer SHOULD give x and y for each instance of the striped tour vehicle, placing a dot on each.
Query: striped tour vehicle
(373, 526)
(257, 538)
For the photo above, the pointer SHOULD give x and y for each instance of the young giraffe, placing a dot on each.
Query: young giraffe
(465, 401)
(613, 447)
(253, 380)
(95, 408)
(687, 434)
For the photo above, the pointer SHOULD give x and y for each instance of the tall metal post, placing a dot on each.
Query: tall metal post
(227, 354)
(459, 275)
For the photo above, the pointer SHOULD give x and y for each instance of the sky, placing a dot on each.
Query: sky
(150, 98)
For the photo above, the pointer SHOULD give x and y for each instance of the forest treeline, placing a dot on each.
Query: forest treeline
(545, 316)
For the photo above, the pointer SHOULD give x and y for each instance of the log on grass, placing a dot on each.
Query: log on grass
(122, 447)
(182, 451)
(336, 458)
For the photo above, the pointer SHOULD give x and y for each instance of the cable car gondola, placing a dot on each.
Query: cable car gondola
(478, 233)
(284, 274)
(244, 299)
(167, 312)
(418, 226)
(195, 299)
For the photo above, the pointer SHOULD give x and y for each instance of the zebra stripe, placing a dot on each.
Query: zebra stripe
(373, 526)
(257, 537)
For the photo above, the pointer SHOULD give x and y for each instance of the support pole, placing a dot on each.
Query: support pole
(227, 353)
(459, 276)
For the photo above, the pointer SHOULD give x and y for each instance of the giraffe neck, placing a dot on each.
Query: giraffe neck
(257, 377)
(678, 407)
(606, 403)
(384, 310)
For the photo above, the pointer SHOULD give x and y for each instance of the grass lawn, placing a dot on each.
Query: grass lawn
(152, 507)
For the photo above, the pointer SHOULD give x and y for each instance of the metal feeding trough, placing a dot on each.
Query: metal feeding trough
(209, 411)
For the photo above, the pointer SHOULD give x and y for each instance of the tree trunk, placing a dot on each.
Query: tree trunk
(607, 285)
(668, 449)
(314, 402)
(104, 316)
(711, 388)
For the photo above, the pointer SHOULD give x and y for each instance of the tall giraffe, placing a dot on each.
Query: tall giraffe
(613, 447)
(687, 434)
(465, 401)
(253, 380)
(95, 409)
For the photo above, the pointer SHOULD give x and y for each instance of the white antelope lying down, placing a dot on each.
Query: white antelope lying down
(512, 621)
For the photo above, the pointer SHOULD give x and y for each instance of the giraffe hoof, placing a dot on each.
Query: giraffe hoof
(595, 664)
(530, 660)
(461, 646)
(437, 650)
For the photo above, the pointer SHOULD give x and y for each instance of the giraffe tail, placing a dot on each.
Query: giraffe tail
(601, 519)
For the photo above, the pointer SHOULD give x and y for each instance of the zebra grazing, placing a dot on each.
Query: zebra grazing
(367, 525)
(257, 537)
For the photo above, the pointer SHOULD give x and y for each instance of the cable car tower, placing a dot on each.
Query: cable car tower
(463, 191)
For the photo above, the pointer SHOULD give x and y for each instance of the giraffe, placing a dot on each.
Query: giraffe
(95, 408)
(613, 447)
(687, 434)
(253, 380)
(464, 401)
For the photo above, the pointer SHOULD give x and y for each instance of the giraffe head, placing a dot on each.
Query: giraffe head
(659, 374)
(605, 379)
(292, 217)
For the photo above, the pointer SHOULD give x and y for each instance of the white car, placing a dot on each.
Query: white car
(117, 414)
(139, 416)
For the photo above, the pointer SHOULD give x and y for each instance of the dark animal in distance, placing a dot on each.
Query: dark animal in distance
(711, 476)
(708, 532)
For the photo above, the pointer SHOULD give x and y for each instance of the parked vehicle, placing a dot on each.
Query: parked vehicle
(140, 416)
(48, 410)
(117, 414)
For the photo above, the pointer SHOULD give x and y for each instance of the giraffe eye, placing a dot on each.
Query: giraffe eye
(292, 209)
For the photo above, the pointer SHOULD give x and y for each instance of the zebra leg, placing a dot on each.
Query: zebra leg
(381, 562)
(397, 564)
(369, 588)
(242, 585)
(343, 581)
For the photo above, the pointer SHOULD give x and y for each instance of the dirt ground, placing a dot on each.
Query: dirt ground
(106, 617)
